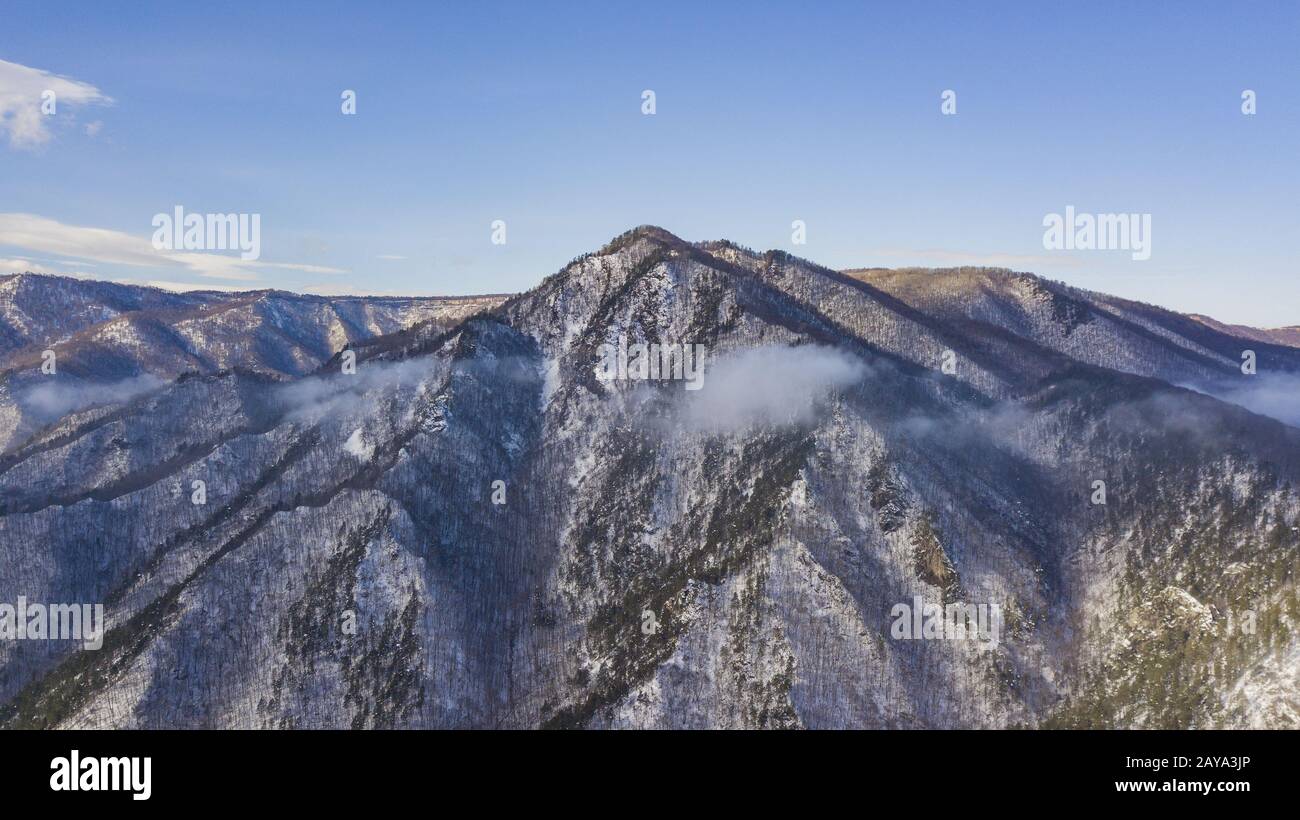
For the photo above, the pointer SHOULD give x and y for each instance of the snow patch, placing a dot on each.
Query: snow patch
(357, 446)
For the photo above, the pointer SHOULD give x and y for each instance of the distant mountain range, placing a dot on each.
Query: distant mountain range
(444, 513)
(103, 332)
(1289, 336)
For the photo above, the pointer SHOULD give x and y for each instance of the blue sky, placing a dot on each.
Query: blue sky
(765, 113)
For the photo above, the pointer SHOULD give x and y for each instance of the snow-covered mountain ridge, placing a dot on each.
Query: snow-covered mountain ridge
(474, 529)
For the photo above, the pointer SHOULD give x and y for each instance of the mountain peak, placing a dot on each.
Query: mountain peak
(849, 446)
(652, 233)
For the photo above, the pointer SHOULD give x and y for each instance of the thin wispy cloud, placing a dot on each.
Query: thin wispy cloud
(772, 386)
(42, 235)
(312, 399)
(23, 92)
(52, 400)
(22, 264)
(1276, 395)
(304, 268)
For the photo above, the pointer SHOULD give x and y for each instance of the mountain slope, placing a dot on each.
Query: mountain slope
(666, 557)
(102, 333)
(1289, 336)
(1091, 327)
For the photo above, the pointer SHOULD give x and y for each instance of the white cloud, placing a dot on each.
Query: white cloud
(1276, 395)
(389, 256)
(36, 233)
(335, 395)
(54, 399)
(22, 93)
(39, 234)
(304, 268)
(772, 385)
(23, 265)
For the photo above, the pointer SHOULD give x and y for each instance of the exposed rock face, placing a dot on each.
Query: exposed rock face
(657, 556)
